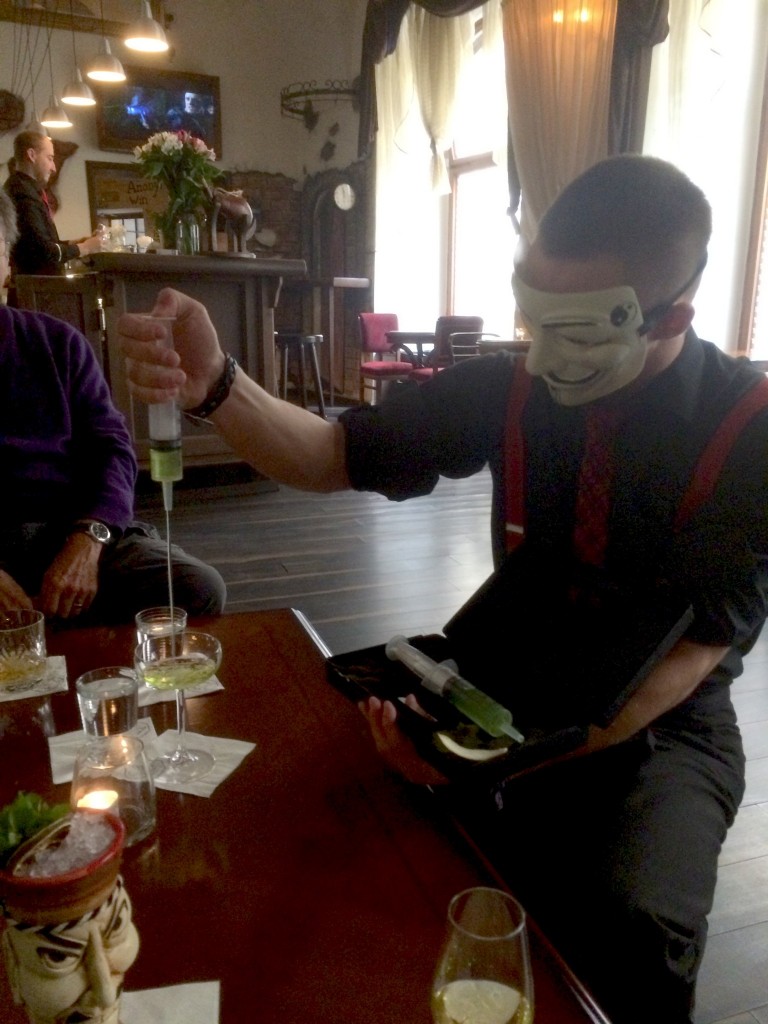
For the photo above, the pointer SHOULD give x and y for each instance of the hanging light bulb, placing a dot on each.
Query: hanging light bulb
(54, 115)
(105, 67)
(146, 34)
(78, 93)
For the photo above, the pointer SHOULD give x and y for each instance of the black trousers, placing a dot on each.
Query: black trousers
(615, 855)
(132, 573)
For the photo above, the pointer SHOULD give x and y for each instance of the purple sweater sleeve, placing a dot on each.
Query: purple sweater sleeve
(105, 464)
(66, 451)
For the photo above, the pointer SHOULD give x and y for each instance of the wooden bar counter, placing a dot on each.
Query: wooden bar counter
(240, 293)
(313, 884)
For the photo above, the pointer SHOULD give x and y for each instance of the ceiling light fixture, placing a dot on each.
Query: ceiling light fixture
(78, 93)
(105, 67)
(54, 115)
(146, 34)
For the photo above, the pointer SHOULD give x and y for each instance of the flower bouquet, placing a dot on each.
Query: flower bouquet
(185, 165)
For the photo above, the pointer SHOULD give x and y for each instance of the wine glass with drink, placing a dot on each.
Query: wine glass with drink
(176, 661)
(483, 975)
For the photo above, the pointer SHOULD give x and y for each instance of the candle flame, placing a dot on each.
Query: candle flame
(98, 799)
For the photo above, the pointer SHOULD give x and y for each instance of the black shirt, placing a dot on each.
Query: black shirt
(38, 249)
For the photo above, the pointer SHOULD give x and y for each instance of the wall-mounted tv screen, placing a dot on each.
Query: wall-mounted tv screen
(152, 101)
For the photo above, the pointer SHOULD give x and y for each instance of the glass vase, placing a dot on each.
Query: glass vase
(187, 235)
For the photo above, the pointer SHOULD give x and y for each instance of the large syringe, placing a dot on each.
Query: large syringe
(443, 678)
(165, 434)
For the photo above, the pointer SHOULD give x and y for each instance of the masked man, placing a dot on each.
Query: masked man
(593, 449)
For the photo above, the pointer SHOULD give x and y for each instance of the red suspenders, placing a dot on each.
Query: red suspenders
(703, 480)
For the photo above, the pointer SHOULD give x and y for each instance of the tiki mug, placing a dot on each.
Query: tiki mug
(69, 937)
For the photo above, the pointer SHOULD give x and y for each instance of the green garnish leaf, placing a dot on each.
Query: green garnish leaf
(22, 819)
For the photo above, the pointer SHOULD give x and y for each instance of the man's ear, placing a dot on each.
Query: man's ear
(674, 322)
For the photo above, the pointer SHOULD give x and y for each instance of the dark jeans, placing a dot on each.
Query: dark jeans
(615, 855)
(133, 573)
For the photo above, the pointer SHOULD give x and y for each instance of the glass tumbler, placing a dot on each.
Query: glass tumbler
(22, 650)
(108, 699)
(112, 774)
(161, 621)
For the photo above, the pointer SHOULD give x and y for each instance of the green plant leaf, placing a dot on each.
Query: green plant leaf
(22, 819)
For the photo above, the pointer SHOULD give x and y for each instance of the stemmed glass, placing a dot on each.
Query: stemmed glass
(174, 662)
(483, 975)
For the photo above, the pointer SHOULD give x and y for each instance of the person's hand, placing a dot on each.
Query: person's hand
(12, 597)
(185, 373)
(71, 580)
(394, 746)
(90, 244)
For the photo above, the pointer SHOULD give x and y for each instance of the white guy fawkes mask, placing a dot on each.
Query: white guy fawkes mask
(584, 344)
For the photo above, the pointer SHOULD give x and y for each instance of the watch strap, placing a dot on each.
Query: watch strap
(218, 394)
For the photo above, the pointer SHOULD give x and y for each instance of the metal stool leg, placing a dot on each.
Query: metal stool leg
(313, 339)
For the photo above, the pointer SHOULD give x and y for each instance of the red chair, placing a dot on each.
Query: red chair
(373, 340)
(441, 355)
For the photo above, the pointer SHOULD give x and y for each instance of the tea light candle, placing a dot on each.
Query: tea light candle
(98, 799)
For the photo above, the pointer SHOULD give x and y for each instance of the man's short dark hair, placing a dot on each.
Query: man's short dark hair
(638, 209)
(27, 140)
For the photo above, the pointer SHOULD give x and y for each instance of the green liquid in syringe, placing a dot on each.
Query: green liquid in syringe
(165, 464)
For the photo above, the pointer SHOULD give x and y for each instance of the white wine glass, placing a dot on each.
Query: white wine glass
(174, 662)
(484, 975)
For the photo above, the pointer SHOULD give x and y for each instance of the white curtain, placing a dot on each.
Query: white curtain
(704, 116)
(439, 47)
(415, 91)
(407, 271)
(558, 55)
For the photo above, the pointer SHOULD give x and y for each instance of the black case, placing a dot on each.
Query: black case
(561, 647)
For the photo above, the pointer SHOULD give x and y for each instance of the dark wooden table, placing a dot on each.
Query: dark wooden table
(313, 884)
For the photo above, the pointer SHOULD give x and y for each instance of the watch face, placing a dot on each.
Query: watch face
(99, 532)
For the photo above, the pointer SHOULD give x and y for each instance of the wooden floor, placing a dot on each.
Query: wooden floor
(363, 569)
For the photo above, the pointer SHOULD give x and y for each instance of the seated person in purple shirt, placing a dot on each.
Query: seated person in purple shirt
(68, 542)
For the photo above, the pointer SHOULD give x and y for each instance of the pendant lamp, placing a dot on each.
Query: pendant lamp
(105, 67)
(78, 93)
(146, 34)
(54, 115)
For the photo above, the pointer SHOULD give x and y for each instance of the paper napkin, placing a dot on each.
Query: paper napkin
(228, 754)
(195, 1003)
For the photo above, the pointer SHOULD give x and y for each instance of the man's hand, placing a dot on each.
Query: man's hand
(71, 581)
(186, 372)
(394, 746)
(90, 244)
(12, 597)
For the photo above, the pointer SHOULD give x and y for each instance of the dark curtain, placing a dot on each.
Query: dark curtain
(640, 25)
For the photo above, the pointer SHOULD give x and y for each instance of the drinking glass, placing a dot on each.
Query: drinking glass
(108, 699)
(159, 621)
(22, 650)
(112, 774)
(483, 975)
(174, 662)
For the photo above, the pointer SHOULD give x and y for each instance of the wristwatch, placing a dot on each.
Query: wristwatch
(96, 531)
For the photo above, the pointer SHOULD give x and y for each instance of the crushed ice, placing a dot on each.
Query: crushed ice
(89, 835)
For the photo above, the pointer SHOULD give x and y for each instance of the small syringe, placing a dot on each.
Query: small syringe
(165, 435)
(443, 678)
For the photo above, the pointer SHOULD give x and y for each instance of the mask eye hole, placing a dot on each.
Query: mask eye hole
(58, 961)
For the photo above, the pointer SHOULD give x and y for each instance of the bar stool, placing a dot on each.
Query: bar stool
(299, 345)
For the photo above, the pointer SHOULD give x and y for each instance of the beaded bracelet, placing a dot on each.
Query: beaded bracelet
(218, 393)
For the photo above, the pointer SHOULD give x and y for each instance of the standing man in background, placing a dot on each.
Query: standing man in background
(38, 250)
